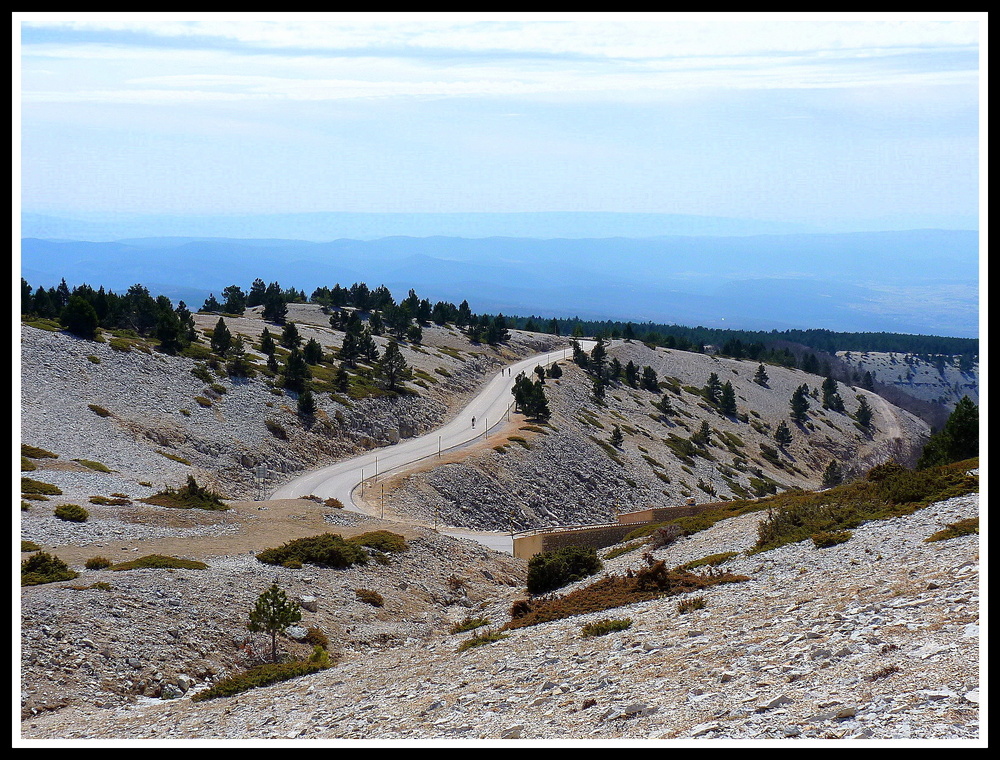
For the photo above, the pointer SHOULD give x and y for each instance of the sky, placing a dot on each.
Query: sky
(824, 119)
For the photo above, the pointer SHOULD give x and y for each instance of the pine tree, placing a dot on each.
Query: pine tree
(649, 380)
(236, 300)
(617, 438)
(267, 346)
(80, 318)
(222, 339)
(211, 304)
(727, 400)
(831, 396)
(833, 476)
(306, 405)
(239, 365)
(800, 404)
(761, 377)
(554, 371)
(272, 614)
(957, 440)
(782, 435)
(290, 337)
(713, 389)
(392, 369)
(296, 375)
(864, 413)
(313, 352)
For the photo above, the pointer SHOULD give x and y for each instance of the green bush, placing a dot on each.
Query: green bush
(889, 490)
(606, 626)
(104, 501)
(72, 513)
(967, 527)
(93, 465)
(469, 624)
(826, 539)
(27, 465)
(263, 675)
(551, 570)
(481, 640)
(98, 563)
(712, 560)
(326, 550)
(45, 568)
(381, 540)
(33, 452)
(30, 546)
(190, 496)
(32, 486)
(160, 562)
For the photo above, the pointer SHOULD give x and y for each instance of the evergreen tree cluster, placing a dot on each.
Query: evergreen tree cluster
(83, 311)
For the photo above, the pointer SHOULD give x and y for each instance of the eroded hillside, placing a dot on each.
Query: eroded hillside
(570, 470)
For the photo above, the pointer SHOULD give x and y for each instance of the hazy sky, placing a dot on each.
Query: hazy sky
(811, 118)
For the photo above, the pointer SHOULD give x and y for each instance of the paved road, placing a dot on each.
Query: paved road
(489, 407)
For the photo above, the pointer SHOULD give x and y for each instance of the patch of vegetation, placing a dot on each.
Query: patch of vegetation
(885, 672)
(967, 527)
(548, 571)
(889, 490)
(90, 464)
(469, 624)
(382, 541)
(652, 582)
(45, 568)
(190, 496)
(711, 560)
(32, 486)
(690, 605)
(262, 675)
(33, 452)
(334, 503)
(606, 626)
(94, 359)
(366, 595)
(481, 640)
(27, 465)
(30, 546)
(276, 429)
(203, 402)
(98, 563)
(826, 539)
(326, 550)
(519, 441)
(72, 513)
(104, 501)
(623, 549)
(100, 411)
(159, 562)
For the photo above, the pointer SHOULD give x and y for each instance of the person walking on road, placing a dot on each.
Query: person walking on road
(473, 422)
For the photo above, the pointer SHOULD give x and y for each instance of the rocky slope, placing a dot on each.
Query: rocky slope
(148, 418)
(877, 638)
(945, 380)
(788, 653)
(568, 471)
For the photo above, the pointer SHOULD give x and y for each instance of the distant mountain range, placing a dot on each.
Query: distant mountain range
(915, 281)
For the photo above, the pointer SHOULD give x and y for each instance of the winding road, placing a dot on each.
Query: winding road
(491, 407)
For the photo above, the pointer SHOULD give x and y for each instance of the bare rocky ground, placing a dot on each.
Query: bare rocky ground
(943, 381)
(794, 652)
(874, 639)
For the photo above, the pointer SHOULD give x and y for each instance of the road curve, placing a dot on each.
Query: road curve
(490, 407)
